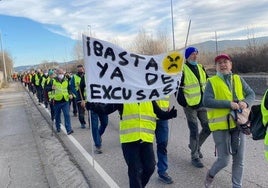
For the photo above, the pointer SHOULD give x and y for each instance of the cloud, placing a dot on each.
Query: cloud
(124, 19)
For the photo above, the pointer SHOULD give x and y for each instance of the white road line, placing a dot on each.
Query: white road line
(105, 176)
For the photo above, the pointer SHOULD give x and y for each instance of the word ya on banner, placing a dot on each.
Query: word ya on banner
(115, 75)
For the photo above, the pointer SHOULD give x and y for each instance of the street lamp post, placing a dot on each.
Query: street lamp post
(89, 27)
(172, 22)
(3, 56)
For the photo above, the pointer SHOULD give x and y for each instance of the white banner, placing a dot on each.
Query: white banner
(115, 75)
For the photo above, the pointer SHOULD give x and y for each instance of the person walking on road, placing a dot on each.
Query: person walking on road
(62, 93)
(99, 122)
(50, 94)
(36, 81)
(225, 92)
(190, 96)
(78, 95)
(161, 135)
(137, 130)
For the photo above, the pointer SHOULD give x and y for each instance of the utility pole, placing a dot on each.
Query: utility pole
(89, 27)
(4, 59)
(216, 38)
(172, 24)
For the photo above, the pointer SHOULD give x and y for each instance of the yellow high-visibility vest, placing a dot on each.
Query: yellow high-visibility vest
(61, 90)
(37, 80)
(163, 103)
(217, 117)
(192, 87)
(138, 122)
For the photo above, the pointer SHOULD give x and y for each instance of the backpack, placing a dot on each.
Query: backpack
(257, 129)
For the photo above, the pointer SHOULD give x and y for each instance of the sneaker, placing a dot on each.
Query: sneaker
(98, 150)
(165, 178)
(70, 132)
(208, 180)
(75, 114)
(200, 154)
(83, 126)
(197, 163)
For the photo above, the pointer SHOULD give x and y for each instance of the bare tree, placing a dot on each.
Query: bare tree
(8, 63)
(252, 43)
(146, 44)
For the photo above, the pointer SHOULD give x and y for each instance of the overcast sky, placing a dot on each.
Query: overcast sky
(121, 20)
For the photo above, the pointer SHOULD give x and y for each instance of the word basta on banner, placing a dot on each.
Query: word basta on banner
(115, 75)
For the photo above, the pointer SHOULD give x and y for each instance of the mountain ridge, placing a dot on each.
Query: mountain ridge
(207, 46)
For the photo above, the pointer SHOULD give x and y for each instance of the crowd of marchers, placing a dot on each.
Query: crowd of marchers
(206, 101)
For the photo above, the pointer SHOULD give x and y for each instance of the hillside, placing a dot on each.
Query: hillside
(207, 46)
(210, 46)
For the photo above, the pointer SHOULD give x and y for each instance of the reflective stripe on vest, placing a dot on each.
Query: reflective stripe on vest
(192, 89)
(138, 122)
(266, 145)
(217, 117)
(61, 90)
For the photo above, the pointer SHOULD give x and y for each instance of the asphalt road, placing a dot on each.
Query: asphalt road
(109, 169)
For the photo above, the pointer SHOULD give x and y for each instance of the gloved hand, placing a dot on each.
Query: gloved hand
(173, 113)
(96, 107)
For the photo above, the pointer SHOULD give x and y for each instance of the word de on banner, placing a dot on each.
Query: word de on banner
(115, 75)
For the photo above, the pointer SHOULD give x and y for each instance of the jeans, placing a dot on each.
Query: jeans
(52, 110)
(73, 103)
(140, 160)
(161, 135)
(97, 130)
(64, 107)
(81, 113)
(196, 138)
(227, 143)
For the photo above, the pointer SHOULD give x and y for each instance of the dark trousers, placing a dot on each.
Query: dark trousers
(74, 105)
(140, 160)
(40, 95)
(81, 113)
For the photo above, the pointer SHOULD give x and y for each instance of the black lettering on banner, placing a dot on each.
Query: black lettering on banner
(140, 95)
(126, 95)
(154, 93)
(103, 69)
(152, 64)
(166, 79)
(98, 47)
(106, 91)
(109, 52)
(167, 89)
(88, 46)
(117, 73)
(125, 61)
(137, 57)
(113, 93)
(151, 78)
(94, 91)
